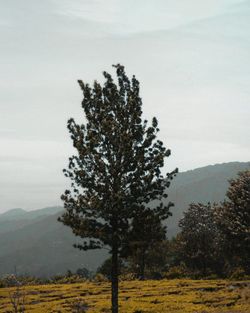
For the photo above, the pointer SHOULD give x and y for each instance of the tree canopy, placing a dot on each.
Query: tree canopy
(198, 237)
(116, 172)
(233, 218)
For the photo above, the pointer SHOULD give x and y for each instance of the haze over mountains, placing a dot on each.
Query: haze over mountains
(191, 58)
(35, 243)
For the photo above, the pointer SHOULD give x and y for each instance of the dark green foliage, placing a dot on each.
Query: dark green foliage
(146, 235)
(202, 185)
(83, 272)
(117, 170)
(216, 239)
(106, 268)
(233, 218)
(156, 259)
(198, 240)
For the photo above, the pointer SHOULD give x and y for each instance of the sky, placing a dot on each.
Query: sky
(191, 58)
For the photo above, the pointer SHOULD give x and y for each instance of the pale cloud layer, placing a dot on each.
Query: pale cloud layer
(191, 57)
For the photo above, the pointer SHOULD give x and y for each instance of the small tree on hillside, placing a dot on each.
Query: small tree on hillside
(117, 169)
(147, 232)
(198, 240)
(233, 218)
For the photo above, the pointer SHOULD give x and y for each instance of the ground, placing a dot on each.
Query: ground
(170, 296)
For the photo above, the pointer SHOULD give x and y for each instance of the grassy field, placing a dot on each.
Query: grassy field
(170, 296)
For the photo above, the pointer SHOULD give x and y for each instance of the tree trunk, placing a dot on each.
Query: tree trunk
(142, 265)
(204, 268)
(114, 280)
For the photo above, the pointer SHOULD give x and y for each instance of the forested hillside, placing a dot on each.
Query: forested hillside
(35, 243)
(205, 184)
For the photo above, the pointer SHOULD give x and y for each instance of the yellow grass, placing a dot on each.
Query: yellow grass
(170, 296)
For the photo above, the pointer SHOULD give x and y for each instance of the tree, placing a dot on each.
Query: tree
(106, 268)
(117, 169)
(147, 232)
(233, 218)
(157, 259)
(198, 240)
(83, 272)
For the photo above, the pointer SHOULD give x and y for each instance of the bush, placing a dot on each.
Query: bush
(73, 279)
(176, 272)
(212, 277)
(127, 277)
(100, 278)
(84, 273)
(79, 306)
(238, 274)
(105, 268)
(155, 275)
(8, 281)
(12, 280)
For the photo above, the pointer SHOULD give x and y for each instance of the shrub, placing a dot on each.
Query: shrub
(127, 277)
(156, 275)
(79, 306)
(176, 272)
(238, 274)
(83, 272)
(100, 278)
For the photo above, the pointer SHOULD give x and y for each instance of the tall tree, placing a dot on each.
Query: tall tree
(233, 218)
(117, 169)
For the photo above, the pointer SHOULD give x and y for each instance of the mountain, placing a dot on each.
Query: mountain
(12, 214)
(15, 219)
(35, 243)
(44, 248)
(20, 214)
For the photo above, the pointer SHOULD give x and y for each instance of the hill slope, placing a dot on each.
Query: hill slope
(44, 248)
(35, 243)
(15, 219)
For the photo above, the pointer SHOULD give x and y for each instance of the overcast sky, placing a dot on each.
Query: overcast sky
(191, 57)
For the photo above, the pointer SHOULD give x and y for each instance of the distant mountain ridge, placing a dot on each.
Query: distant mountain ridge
(13, 213)
(35, 243)
(15, 219)
(16, 214)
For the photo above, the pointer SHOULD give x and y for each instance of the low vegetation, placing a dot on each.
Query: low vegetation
(171, 296)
